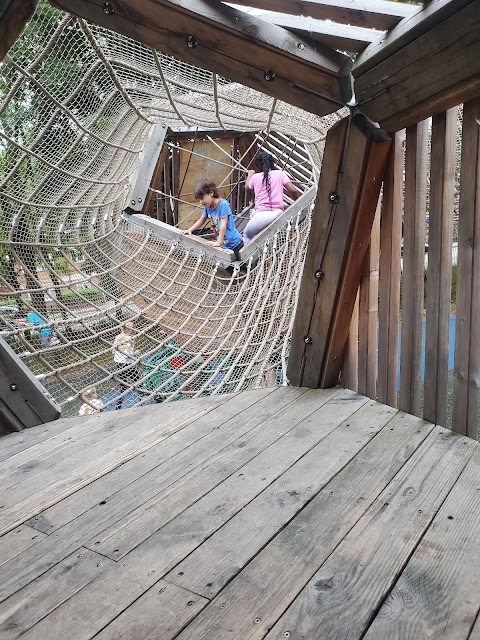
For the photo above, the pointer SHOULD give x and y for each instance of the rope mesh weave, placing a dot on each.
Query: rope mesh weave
(76, 105)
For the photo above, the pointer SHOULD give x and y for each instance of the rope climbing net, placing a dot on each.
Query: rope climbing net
(76, 105)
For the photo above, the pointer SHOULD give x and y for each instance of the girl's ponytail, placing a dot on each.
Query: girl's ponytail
(264, 164)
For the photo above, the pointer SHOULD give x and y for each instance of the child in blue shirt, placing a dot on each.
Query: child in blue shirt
(217, 211)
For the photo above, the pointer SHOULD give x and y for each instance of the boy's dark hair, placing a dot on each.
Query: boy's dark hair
(204, 187)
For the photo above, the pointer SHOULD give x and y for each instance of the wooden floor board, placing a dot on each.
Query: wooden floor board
(208, 569)
(438, 593)
(268, 514)
(342, 594)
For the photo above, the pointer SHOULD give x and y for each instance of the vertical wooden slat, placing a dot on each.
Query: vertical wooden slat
(155, 182)
(439, 273)
(352, 171)
(467, 333)
(389, 295)
(176, 182)
(349, 376)
(167, 181)
(413, 267)
(368, 315)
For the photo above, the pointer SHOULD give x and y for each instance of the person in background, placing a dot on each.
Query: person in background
(92, 404)
(218, 212)
(267, 184)
(124, 358)
(35, 319)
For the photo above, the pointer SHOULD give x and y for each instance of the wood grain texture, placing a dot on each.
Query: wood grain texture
(439, 273)
(352, 170)
(349, 373)
(438, 593)
(233, 44)
(16, 541)
(389, 294)
(259, 595)
(413, 267)
(467, 327)
(340, 597)
(429, 74)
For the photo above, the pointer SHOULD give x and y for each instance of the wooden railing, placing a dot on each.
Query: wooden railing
(404, 312)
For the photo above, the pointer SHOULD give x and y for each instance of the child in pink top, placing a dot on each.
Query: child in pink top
(267, 184)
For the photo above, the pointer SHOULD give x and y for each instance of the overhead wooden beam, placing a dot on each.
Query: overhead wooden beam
(352, 171)
(333, 35)
(371, 14)
(14, 15)
(227, 41)
(426, 65)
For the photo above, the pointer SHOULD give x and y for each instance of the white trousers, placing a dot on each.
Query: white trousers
(259, 221)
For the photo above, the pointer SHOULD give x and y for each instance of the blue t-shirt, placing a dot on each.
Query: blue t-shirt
(222, 210)
(35, 319)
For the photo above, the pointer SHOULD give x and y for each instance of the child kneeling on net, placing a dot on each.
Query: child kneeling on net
(92, 404)
(217, 211)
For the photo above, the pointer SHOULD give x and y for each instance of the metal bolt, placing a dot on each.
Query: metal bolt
(269, 75)
(108, 8)
(319, 275)
(334, 197)
(301, 46)
(189, 603)
(286, 634)
(192, 42)
(308, 340)
(13, 387)
(132, 201)
(258, 620)
(139, 200)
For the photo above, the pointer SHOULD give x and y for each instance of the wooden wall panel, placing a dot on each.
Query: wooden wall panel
(389, 294)
(467, 336)
(413, 268)
(439, 273)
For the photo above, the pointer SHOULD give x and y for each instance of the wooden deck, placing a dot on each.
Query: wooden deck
(275, 513)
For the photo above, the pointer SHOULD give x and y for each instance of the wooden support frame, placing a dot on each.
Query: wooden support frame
(390, 272)
(214, 36)
(413, 268)
(426, 65)
(439, 273)
(352, 171)
(467, 328)
(14, 15)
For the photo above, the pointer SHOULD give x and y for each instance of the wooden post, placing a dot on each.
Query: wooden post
(352, 171)
(368, 315)
(413, 267)
(349, 375)
(467, 329)
(439, 272)
(389, 294)
(14, 16)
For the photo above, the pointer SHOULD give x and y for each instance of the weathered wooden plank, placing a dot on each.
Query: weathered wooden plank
(24, 609)
(271, 449)
(89, 611)
(438, 593)
(352, 172)
(336, 36)
(14, 15)
(341, 596)
(413, 267)
(349, 374)
(475, 633)
(46, 553)
(60, 480)
(439, 273)
(368, 315)
(16, 541)
(428, 75)
(214, 430)
(365, 13)
(389, 294)
(160, 613)
(216, 562)
(467, 327)
(258, 596)
(232, 43)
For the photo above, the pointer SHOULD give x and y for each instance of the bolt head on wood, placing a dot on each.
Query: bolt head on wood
(108, 8)
(192, 42)
(269, 75)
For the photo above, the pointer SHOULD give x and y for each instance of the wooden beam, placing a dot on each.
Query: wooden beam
(467, 327)
(352, 171)
(333, 35)
(409, 399)
(217, 37)
(177, 135)
(371, 14)
(427, 65)
(14, 15)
